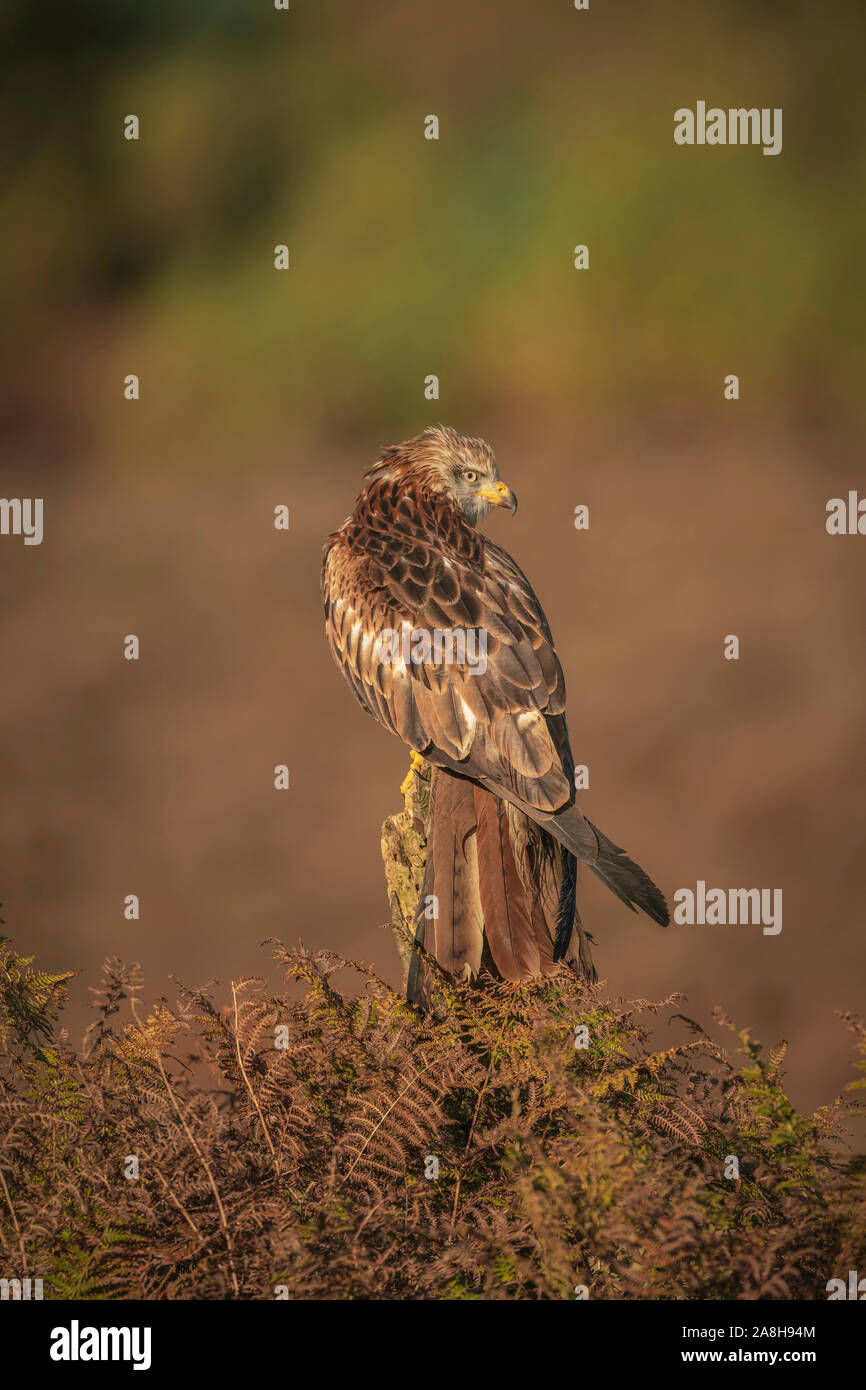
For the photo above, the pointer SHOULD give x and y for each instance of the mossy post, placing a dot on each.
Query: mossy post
(404, 854)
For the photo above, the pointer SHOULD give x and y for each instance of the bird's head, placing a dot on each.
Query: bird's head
(444, 462)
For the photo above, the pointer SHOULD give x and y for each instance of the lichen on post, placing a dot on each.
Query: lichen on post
(404, 854)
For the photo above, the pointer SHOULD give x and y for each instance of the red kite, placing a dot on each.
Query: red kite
(440, 636)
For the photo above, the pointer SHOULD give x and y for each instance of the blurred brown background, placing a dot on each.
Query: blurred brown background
(604, 387)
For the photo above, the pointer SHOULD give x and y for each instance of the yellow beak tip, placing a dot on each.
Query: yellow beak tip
(500, 496)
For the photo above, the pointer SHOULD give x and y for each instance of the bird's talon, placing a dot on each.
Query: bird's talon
(415, 765)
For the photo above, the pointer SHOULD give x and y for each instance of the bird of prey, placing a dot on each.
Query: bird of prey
(440, 636)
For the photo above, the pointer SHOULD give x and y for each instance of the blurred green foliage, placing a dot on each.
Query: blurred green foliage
(410, 256)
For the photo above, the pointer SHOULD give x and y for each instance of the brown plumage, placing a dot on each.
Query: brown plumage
(505, 835)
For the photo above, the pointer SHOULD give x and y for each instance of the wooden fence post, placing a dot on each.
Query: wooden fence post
(404, 854)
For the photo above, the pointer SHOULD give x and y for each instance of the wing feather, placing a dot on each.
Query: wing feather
(410, 565)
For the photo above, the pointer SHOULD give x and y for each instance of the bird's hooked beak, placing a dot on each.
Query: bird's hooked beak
(500, 495)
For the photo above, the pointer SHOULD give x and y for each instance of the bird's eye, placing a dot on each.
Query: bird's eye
(470, 476)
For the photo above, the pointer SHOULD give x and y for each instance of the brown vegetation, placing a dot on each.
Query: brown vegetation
(301, 1168)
